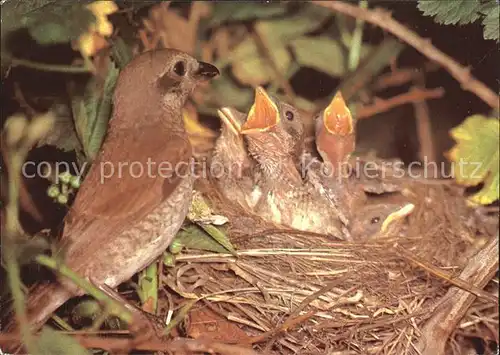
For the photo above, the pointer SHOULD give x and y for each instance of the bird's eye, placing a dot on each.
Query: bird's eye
(289, 115)
(375, 220)
(180, 68)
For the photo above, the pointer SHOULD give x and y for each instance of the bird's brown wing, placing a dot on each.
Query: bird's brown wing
(113, 198)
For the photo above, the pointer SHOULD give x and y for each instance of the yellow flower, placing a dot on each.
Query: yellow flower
(93, 40)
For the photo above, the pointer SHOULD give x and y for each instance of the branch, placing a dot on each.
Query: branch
(414, 95)
(383, 19)
(454, 305)
(402, 76)
(179, 345)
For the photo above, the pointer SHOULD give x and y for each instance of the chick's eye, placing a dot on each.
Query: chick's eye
(375, 220)
(289, 115)
(180, 68)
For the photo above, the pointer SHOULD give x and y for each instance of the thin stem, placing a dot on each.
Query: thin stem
(114, 307)
(13, 269)
(357, 40)
(50, 67)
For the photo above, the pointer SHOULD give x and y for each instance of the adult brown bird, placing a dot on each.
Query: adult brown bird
(137, 193)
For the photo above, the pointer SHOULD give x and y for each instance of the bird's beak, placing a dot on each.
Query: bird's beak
(206, 71)
(337, 118)
(263, 115)
(397, 216)
(231, 119)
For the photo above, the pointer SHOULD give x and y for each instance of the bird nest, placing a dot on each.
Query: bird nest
(294, 292)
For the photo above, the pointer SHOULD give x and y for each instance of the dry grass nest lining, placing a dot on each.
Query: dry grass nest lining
(359, 297)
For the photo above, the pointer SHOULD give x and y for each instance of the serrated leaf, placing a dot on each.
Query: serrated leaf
(59, 22)
(18, 10)
(451, 12)
(62, 135)
(93, 111)
(226, 11)
(195, 238)
(51, 342)
(475, 157)
(491, 23)
(321, 53)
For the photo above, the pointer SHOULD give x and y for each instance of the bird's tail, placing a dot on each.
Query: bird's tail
(42, 301)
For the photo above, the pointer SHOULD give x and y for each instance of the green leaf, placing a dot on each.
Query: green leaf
(491, 23)
(195, 238)
(226, 11)
(18, 10)
(251, 68)
(282, 31)
(321, 53)
(92, 111)
(63, 134)
(475, 157)
(51, 342)
(231, 94)
(121, 52)
(218, 235)
(59, 22)
(451, 12)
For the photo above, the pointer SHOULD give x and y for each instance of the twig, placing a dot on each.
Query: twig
(115, 308)
(370, 67)
(479, 271)
(402, 76)
(384, 20)
(424, 130)
(414, 95)
(25, 201)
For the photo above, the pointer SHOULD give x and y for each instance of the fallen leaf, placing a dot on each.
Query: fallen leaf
(52, 342)
(193, 237)
(206, 324)
(475, 157)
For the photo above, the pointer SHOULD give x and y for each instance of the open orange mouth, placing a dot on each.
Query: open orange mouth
(337, 117)
(263, 114)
